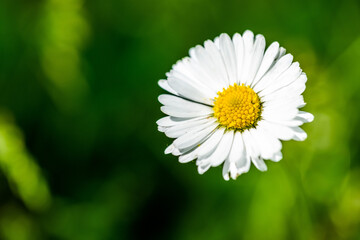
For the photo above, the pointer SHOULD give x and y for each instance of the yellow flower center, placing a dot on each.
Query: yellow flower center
(237, 107)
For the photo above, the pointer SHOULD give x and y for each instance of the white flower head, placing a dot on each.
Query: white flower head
(231, 102)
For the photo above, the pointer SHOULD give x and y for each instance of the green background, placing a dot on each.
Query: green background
(80, 154)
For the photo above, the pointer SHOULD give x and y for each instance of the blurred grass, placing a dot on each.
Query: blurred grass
(62, 35)
(20, 169)
(79, 79)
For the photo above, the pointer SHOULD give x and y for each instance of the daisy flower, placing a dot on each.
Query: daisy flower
(231, 102)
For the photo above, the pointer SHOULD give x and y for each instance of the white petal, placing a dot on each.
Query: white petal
(282, 52)
(294, 89)
(284, 132)
(176, 152)
(290, 123)
(228, 53)
(169, 149)
(165, 122)
(231, 169)
(169, 121)
(269, 57)
(237, 157)
(218, 61)
(260, 149)
(223, 149)
(253, 151)
(165, 85)
(239, 52)
(177, 112)
(216, 156)
(161, 129)
(259, 141)
(280, 66)
(203, 168)
(187, 70)
(296, 101)
(191, 90)
(281, 114)
(210, 144)
(182, 104)
(237, 151)
(284, 110)
(220, 153)
(207, 68)
(235, 171)
(192, 139)
(185, 158)
(181, 129)
(269, 145)
(299, 134)
(279, 131)
(259, 163)
(287, 77)
(225, 171)
(248, 38)
(217, 42)
(305, 117)
(175, 101)
(257, 56)
(277, 157)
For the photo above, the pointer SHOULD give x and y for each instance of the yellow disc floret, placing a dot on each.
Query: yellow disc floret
(237, 107)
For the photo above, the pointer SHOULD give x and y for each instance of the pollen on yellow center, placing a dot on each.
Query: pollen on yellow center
(237, 107)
